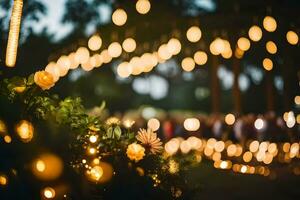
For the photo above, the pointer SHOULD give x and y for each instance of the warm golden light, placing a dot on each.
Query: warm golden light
(194, 142)
(297, 100)
(191, 124)
(174, 46)
(217, 46)
(172, 146)
(243, 43)
(129, 45)
(292, 37)
(47, 167)
(119, 17)
(200, 57)
(268, 64)
(185, 147)
(231, 150)
(229, 119)
(255, 33)
(3, 128)
(163, 52)
(115, 49)
(194, 34)
(7, 139)
(219, 146)
(269, 24)
(124, 69)
(14, 32)
(3, 179)
(49, 193)
(82, 55)
(188, 64)
(95, 173)
(63, 65)
(143, 6)
(95, 43)
(153, 124)
(25, 131)
(53, 70)
(93, 138)
(106, 57)
(271, 47)
(247, 157)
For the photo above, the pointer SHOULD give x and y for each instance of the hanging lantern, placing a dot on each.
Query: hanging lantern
(14, 30)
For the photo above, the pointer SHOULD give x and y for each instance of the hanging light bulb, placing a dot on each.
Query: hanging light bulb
(14, 32)
(188, 64)
(124, 69)
(115, 49)
(243, 43)
(268, 64)
(270, 24)
(119, 17)
(95, 43)
(194, 34)
(292, 37)
(129, 45)
(271, 47)
(255, 33)
(143, 6)
(174, 46)
(200, 57)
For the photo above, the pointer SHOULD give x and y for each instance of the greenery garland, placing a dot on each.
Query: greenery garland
(116, 148)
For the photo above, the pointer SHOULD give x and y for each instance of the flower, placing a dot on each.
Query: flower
(150, 139)
(44, 79)
(112, 121)
(135, 152)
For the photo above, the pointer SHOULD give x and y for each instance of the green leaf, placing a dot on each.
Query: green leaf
(117, 132)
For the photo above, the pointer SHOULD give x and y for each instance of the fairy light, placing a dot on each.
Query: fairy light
(153, 124)
(95, 43)
(14, 32)
(268, 64)
(143, 6)
(292, 37)
(188, 64)
(269, 24)
(194, 34)
(119, 17)
(200, 57)
(255, 33)
(49, 193)
(129, 45)
(115, 49)
(191, 124)
(243, 43)
(271, 47)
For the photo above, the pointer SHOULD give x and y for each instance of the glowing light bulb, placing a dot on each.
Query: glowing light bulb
(124, 69)
(292, 37)
(115, 49)
(143, 6)
(95, 43)
(49, 193)
(153, 124)
(268, 64)
(271, 47)
(25, 131)
(229, 119)
(14, 32)
(200, 57)
(174, 46)
(191, 124)
(269, 24)
(188, 64)
(129, 45)
(194, 34)
(259, 124)
(255, 33)
(119, 17)
(93, 138)
(243, 43)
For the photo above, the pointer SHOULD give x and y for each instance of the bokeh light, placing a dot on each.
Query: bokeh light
(191, 124)
(269, 24)
(194, 34)
(143, 6)
(188, 64)
(119, 17)
(255, 33)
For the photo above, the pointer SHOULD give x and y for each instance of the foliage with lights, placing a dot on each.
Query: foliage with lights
(113, 152)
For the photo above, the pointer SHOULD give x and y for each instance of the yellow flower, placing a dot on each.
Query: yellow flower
(19, 89)
(135, 152)
(44, 79)
(112, 121)
(150, 139)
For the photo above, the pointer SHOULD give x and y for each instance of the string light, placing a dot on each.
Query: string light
(124, 69)
(82, 55)
(269, 24)
(163, 52)
(200, 57)
(292, 37)
(25, 131)
(174, 46)
(243, 43)
(188, 64)
(119, 17)
(7, 139)
(271, 47)
(268, 64)
(129, 45)
(255, 33)
(14, 32)
(153, 124)
(63, 64)
(143, 6)
(95, 43)
(49, 193)
(230, 119)
(191, 124)
(193, 34)
(3, 179)
(114, 49)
